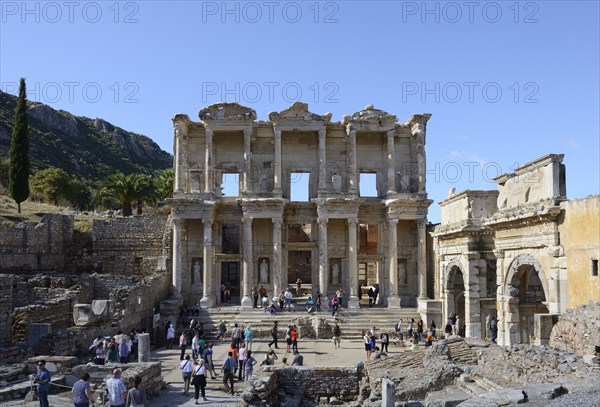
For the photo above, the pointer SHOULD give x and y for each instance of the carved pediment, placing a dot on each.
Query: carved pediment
(370, 114)
(298, 113)
(227, 111)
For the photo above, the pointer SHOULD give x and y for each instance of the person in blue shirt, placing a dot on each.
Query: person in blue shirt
(42, 379)
(228, 368)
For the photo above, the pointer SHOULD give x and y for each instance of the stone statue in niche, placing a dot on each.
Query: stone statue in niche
(335, 274)
(336, 181)
(196, 270)
(264, 271)
(262, 181)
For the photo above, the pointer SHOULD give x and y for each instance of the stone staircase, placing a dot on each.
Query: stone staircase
(352, 321)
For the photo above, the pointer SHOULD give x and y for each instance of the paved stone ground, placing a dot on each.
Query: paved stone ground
(316, 353)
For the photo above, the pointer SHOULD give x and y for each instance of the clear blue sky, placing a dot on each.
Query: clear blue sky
(136, 64)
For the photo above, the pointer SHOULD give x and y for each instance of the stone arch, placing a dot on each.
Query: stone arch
(526, 293)
(454, 289)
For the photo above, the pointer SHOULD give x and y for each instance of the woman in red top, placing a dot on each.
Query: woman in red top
(294, 338)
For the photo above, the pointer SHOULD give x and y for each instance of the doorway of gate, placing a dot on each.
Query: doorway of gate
(230, 276)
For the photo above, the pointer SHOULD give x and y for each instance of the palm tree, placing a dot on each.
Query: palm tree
(164, 184)
(126, 189)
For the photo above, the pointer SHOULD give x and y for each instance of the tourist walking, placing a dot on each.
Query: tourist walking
(457, 327)
(274, 335)
(411, 325)
(298, 287)
(367, 342)
(248, 335)
(281, 299)
(82, 391)
(42, 379)
(199, 380)
(186, 368)
(241, 360)
(385, 339)
(255, 297)
(448, 329)
(111, 355)
(318, 302)
(370, 293)
(136, 397)
(182, 343)
(334, 305)
(236, 335)
(222, 330)
(207, 356)
(399, 327)
(123, 352)
(432, 328)
(249, 366)
(294, 337)
(117, 392)
(228, 369)
(337, 333)
(340, 295)
(420, 329)
(170, 336)
(288, 338)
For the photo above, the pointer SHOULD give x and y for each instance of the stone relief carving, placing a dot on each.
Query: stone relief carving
(369, 113)
(227, 111)
(299, 112)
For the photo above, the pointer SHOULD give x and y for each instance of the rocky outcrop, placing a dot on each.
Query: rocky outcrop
(578, 330)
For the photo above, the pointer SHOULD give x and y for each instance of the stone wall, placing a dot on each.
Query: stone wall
(6, 306)
(36, 246)
(579, 228)
(129, 246)
(578, 330)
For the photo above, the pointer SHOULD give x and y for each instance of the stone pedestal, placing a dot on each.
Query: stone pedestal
(353, 303)
(143, 347)
(394, 301)
(388, 393)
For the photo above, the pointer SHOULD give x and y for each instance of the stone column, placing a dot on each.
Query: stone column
(248, 262)
(177, 256)
(143, 347)
(178, 181)
(208, 164)
(276, 277)
(323, 260)
(422, 258)
(388, 393)
(277, 164)
(353, 301)
(391, 161)
(392, 255)
(472, 304)
(418, 131)
(352, 182)
(207, 301)
(322, 161)
(247, 160)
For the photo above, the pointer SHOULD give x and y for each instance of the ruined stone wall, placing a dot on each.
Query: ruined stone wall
(579, 228)
(31, 246)
(6, 307)
(128, 246)
(321, 382)
(578, 330)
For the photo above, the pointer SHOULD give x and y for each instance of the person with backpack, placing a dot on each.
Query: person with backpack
(199, 380)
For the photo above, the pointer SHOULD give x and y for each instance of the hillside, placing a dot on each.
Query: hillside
(86, 148)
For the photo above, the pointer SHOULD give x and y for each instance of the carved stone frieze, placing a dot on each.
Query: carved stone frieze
(227, 112)
(298, 114)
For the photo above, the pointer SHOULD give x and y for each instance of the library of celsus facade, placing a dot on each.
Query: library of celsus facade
(334, 204)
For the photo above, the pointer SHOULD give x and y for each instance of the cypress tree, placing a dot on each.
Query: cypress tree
(18, 174)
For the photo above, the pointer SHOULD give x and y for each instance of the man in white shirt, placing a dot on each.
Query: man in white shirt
(186, 366)
(195, 345)
(288, 299)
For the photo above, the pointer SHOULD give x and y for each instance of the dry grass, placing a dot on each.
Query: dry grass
(30, 210)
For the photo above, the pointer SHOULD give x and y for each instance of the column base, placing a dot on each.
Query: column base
(353, 303)
(394, 301)
(207, 302)
(246, 302)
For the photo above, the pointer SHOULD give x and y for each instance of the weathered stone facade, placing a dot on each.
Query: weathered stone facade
(336, 237)
(502, 253)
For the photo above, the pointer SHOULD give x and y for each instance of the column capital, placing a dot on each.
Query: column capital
(321, 221)
(391, 133)
(322, 132)
(352, 221)
(208, 132)
(421, 223)
(393, 221)
(277, 220)
(276, 132)
(247, 219)
(178, 222)
(247, 131)
(207, 221)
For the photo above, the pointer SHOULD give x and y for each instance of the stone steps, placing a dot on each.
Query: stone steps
(352, 321)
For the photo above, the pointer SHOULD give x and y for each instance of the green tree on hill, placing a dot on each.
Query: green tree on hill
(126, 189)
(18, 175)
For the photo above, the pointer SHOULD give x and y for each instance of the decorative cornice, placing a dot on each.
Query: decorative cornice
(523, 216)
